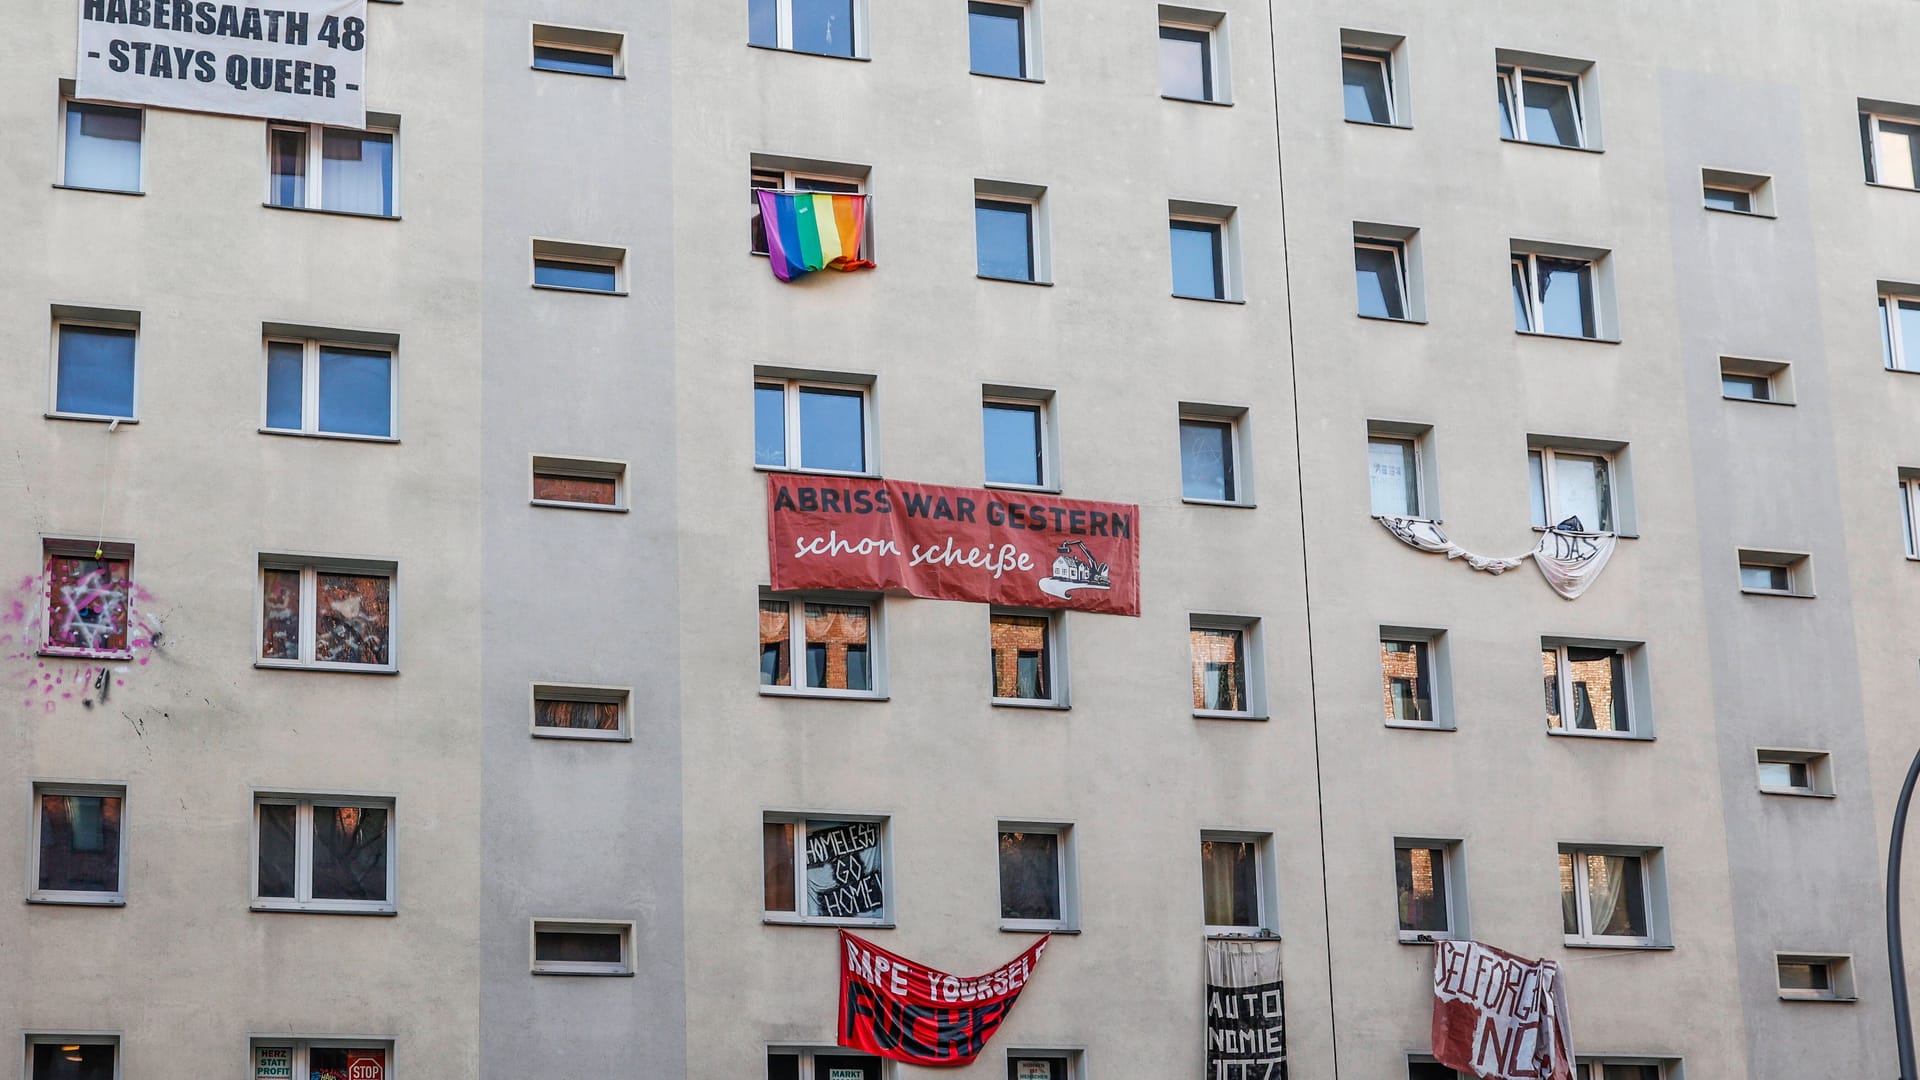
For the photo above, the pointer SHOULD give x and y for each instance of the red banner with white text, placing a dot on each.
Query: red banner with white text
(948, 543)
(904, 1010)
(1499, 1016)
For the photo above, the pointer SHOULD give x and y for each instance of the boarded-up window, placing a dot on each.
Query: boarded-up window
(561, 487)
(87, 605)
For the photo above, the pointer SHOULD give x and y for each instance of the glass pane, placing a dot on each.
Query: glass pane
(1909, 313)
(845, 1067)
(342, 1063)
(1421, 875)
(1598, 678)
(285, 365)
(280, 615)
(1629, 1072)
(356, 171)
(995, 37)
(1569, 897)
(1376, 272)
(578, 947)
(763, 27)
(582, 490)
(277, 849)
(349, 853)
(1757, 576)
(574, 275)
(1229, 872)
(1186, 64)
(776, 843)
(578, 61)
(1365, 90)
(1019, 650)
(351, 619)
(1003, 239)
(1196, 260)
(1430, 1070)
(837, 634)
(1886, 337)
(1537, 488)
(1506, 104)
(96, 371)
(83, 1061)
(1581, 490)
(1616, 897)
(1566, 297)
(1783, 774)
(1219, 676)
(87, 607)
(1032, 1068)
(79, 843)
(1522, 310)
(288, 150)
(1798, 976)
(1206, 460)
(1029, 875)
(1745, 387)
(823, 26)
(770, 425)
(1012, 436)
(782, 1065)
(1550, 112)
(1393, 477)
(1906, 516)
(1407, 688)
(1550, 675)
(582, 715)
(1729, 199)
(833, 432)
(356, 391)
(103, 147)
(1896, 150)
(776, 637)
(843, 870)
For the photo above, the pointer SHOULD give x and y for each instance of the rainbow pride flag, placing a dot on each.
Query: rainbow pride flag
(809, 230)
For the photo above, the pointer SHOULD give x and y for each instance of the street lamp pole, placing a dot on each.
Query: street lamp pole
(1896, 954)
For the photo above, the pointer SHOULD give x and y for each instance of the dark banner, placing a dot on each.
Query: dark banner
(1246, 1011)
(948, 543)
(1499, 1016)
(902, 1009)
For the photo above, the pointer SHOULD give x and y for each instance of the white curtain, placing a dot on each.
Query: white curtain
(356, 171)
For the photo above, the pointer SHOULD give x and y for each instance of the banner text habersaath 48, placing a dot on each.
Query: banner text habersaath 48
(286, 60)
(902, 1009)
(949, 543)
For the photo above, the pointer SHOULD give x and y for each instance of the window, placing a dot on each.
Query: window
(1010, 231)
(316, 386)
(1614, 1069)
(772, 173)
(1380, 277)
(334, 615)
(1226, 671)
(997, 37)
(1429, 1069)
(1235, 885)
(579, 483)
(1563, 292)
(1900, 327)
(76, 850)
(826, 870)
(315, 167)
(94, 370)
(1043, 1065)
(323, 853)
(1193, 58)
(581, 712)
(1018, 439)
(1591, 689)
(1910, 510)
(1571, 489)
(1766, 381)
(1805, 977)
(1426, 879)
(1737, 192)
(1393, 475)
(1794, 772)
(1201, 239)
(811, 425)
(89, 599)
(1783, 572)
(1890, 143)
(1037, 877)
(1545, 100)
(1413, 687)
(73, 1057)
(1606, 896)
(576, 51)
(582, 947)
(1026, 662)
(822, 27)
(1367, 85)
(836, 639)
(322, 1059)
(1211, 462)
(100, 146)
(822, 1064)
(574, 267)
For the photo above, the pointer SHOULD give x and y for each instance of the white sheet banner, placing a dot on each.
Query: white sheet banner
(296, 60)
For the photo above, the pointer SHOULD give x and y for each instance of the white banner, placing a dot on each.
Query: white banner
(297, 60)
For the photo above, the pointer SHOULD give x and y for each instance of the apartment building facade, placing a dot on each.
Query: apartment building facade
(386, 522)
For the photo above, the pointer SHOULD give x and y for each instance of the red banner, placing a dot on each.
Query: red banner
(947, 543)
(1499, 1016)
(904, 1010)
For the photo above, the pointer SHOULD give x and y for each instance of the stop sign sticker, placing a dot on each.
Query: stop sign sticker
(363, 1066)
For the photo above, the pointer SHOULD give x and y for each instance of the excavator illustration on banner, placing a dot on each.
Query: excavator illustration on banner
(1076, 568)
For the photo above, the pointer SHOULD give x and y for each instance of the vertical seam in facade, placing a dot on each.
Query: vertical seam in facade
(1306, 579)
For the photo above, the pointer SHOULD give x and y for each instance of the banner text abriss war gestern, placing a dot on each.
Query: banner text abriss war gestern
(299, 60)
(949, 543)
(902, 1009)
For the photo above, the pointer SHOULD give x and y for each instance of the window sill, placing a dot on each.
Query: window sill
(101, 190)
(1604, 736)
(1221, 714)
(800, 920)
(1228, 503)
(1738, 213)
(1889, 187)
(816, 472)
(309, 909)
(1817, 998)
(1024, 703)
(555, 504)
(1195, 100)
(1621, 946)
(1783, 594)
(583, 74)
(1551, 146)
(1543, 528)
(1030, 489)
(1755, 401)
(89, 418)
(1799, 793)
(1414, 725)
(803, 52)
(1021, 928)
(820, 695)
(1388, 318)
(1568, 337)
(1904, 371)
(583, 974)
(1378, 124)
(333, 213)
(58, 901)
(1422, 938)
(1207, 299)
(576, 289)
(1007, 78)
(582, 735)
(105, 657)
(331, 435)
(1014, 280)
(325, 669)
(1219, 933)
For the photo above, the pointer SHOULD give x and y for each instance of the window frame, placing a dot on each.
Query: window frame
(1029, 65)
(1796, 566)
(1653, 889)
(1633, 692)
(1030, 208)
(1910, 505)
(1250, 658)
(1871, 119)
(621, 928)
(1817, 764)
(93, 319)
(42, 1037)
(303, 1045)
(1515, 76)
(75, 897)
(1223, 292)
(579, 39)
(1549, 453)
(1238, 474)
(1440, 696)
(68, 99)
(1527, 263)
(1415, 442)
(564, 466)
(806, 1053)
(1042, 402)
(1266, 893)
(783, 32)
(1384, 59)
(1894, 347)
(67, 547)
(582, 692)
(315, 135)
(1775, 375)
(1594, 1068)
(830, 819)
(1397, 249)
(789, 180)
(797, 602)
(574, 253)
(310, 567)
(1840, 987)
(1070, 1056)
(310, 348)
(792, 387)
(1065, 857)
(1056, 662)
(1216, 67)
(303, 900)
(1453, 881)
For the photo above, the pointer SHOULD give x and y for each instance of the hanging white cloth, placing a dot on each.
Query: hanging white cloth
(1569, 558)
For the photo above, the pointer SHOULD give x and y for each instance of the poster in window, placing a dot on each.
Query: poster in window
(1032, 1070)
(844, 871)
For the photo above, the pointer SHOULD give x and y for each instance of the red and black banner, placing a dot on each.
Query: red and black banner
(948, 543)
(904, 1010)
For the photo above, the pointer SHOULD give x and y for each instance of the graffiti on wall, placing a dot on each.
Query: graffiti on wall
(75, 631)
